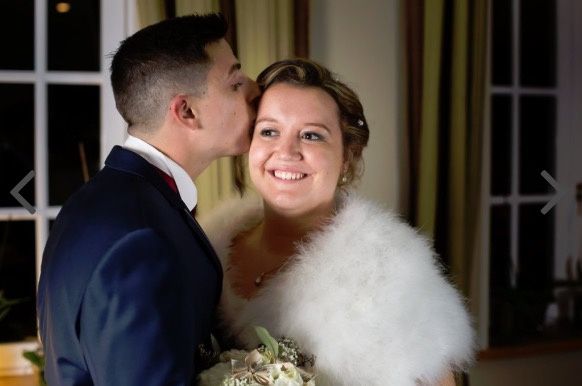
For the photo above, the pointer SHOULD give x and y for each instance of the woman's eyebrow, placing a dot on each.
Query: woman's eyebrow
(316, 124)
(265, 119)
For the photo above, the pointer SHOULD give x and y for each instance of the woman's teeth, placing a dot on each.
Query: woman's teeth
(288, 175)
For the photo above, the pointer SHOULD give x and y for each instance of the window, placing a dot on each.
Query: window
(533, 248)
(58, 118)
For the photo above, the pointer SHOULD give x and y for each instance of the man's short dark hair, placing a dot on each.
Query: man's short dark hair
(161, 61)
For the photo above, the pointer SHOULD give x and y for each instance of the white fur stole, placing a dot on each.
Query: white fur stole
(365, 295)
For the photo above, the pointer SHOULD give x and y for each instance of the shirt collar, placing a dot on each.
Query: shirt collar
(186, 187)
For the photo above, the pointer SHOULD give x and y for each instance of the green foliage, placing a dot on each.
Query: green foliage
(6, 304)
(270, 343)
(37, 359)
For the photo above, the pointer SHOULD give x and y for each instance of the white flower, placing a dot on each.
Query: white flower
(241, 368)
(227, 356)
(285, 374)
(215, 375)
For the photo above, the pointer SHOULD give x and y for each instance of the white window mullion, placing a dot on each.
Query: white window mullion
(40, 130)
(516, 199)
(15, 214)
(17, 76)
(510, 90)
(515, 145)
(113, 30)
(84, 78)
(52, 212)
(562, 228)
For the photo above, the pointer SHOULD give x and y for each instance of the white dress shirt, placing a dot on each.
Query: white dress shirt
(186, 187)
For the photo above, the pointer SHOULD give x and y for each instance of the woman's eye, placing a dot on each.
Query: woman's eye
(267, 133)
(237, 85)
(311, 136)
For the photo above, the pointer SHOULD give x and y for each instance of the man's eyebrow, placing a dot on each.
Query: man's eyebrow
(233, 68)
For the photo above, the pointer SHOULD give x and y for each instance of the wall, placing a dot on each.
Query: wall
(561, 369)
(359, 42)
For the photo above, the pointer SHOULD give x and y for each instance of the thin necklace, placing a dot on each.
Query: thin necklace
(260, 278)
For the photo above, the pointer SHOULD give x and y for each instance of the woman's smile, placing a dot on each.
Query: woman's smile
(296, 154)
(288, 176)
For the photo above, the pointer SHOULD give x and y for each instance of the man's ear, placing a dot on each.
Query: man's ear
(183, 110)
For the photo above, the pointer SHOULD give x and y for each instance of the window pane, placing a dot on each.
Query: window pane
(536, 247)
(536, 267)
(501, 145)
(500, 272)
(500, 252)
(73, 36)
(538, 43)
(502, 36)
(73, 138)
(16, 141)
(18, 279)
(17, 35)
(537, 143)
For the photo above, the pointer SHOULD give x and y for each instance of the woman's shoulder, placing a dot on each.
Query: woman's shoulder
(389, 277)
(230, 217)
(362, 222)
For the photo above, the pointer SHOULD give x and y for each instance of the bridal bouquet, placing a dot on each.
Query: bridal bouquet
(275, 362)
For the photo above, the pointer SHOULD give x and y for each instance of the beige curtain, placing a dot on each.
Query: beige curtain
(446, 55)
(264, 30)
(264, 33)
(188, 7)
(153, 11)
(150, 12)
(466, 139)
(427, 179)
(446, 45)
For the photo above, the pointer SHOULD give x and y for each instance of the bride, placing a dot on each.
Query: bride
(311, 260)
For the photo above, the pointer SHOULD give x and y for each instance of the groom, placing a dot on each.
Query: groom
(129, 282)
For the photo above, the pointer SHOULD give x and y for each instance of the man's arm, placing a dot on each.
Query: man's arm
(131, 324)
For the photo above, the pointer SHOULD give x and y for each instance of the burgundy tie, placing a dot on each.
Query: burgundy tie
(169, 180)
(172, 184)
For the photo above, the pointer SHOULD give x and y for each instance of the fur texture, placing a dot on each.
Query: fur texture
(365, 295)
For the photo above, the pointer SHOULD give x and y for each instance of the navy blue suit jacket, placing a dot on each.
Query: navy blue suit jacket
(129, 282)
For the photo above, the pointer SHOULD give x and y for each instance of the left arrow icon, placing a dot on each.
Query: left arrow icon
(15, 192)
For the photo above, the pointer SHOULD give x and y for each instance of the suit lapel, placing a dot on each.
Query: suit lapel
(129, 162)
(199, 232)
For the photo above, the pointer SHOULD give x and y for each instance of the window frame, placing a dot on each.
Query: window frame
(568, 94)
(117, 21)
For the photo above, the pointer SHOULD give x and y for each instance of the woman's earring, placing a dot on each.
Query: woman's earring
(344, 179)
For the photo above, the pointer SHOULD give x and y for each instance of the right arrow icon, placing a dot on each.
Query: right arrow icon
(557, 197)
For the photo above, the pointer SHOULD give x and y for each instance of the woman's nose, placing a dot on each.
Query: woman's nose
(289, 148)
